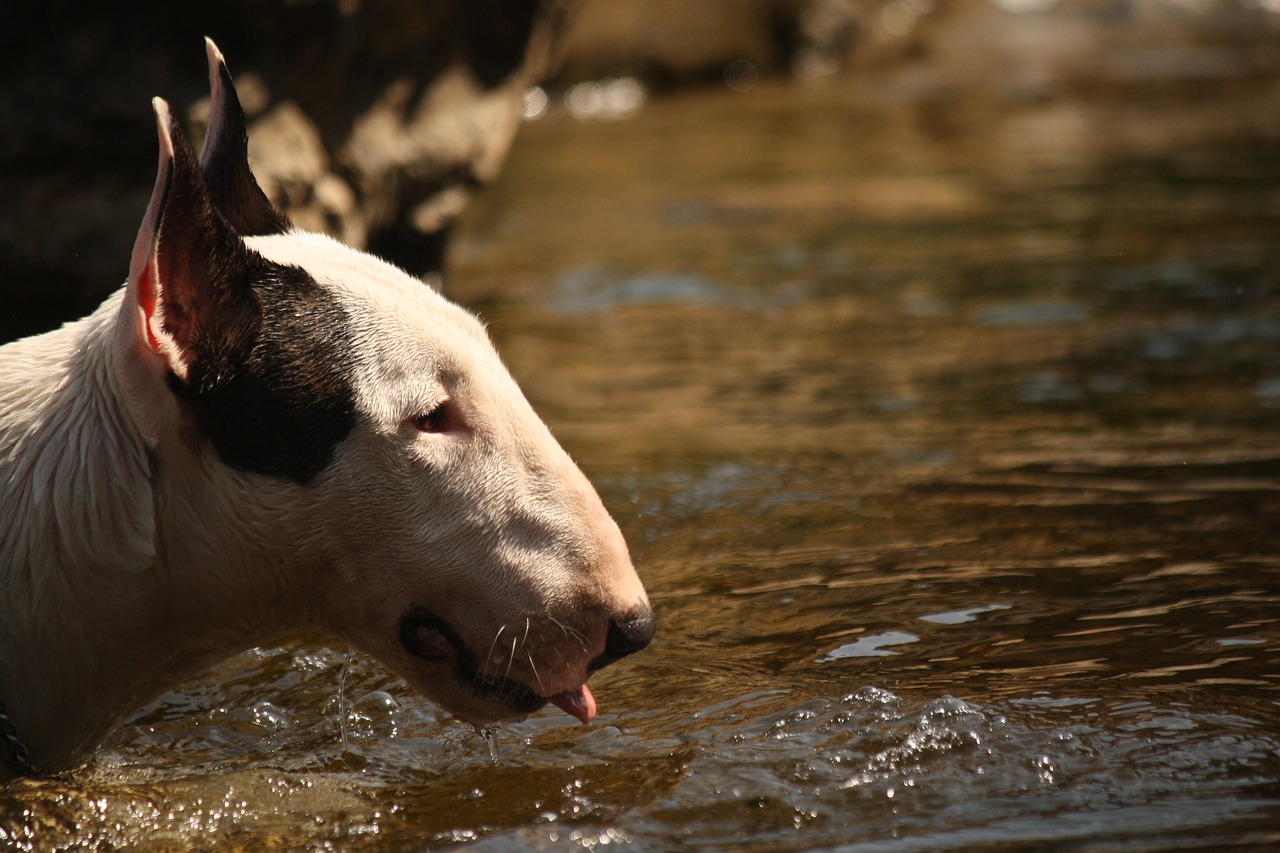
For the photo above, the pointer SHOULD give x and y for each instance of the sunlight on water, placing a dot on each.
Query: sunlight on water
(868, 647)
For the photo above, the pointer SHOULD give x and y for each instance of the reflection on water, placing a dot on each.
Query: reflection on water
(944, 430)
(867, 647)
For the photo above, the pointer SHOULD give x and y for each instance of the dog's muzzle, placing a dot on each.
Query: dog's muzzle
(427, 635)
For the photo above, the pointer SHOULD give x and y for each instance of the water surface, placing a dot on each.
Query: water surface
(945, 434)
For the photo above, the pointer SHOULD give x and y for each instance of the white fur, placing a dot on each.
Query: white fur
(131, 556)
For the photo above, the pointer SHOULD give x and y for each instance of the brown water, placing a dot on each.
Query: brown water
(943, 425)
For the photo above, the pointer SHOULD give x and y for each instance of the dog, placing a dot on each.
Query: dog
(265, 431)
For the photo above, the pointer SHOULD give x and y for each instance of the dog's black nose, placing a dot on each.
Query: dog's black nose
(628, 634)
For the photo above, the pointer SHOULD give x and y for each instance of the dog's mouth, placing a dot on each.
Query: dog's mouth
(428, 636)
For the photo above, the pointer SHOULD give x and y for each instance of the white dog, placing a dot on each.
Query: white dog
(263, 431)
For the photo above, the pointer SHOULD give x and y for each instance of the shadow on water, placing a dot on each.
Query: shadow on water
(943, 425)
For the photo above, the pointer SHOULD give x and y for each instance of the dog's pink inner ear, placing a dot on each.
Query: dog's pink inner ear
(187, 260)
(147, 304)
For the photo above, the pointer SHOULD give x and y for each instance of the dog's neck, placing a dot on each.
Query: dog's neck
(90, 573)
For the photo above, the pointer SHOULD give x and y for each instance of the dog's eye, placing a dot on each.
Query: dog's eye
(434, 420)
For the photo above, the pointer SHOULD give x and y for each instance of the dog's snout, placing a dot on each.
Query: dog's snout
(628, 633)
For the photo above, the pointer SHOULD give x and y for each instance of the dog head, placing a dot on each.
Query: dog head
(360, 441)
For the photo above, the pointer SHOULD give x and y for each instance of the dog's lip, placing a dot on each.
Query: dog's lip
(429, 644)
(429, 637)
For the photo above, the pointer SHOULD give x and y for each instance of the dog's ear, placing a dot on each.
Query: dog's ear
(188, 290)
(224, 158)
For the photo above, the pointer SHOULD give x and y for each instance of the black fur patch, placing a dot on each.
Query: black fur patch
(273, 393)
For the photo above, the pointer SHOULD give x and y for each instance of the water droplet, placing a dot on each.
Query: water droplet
(490, 736)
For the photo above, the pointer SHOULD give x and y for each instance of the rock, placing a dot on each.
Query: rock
(375, 122)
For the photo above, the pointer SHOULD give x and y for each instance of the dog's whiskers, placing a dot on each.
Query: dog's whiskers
(570, 632)
(489, 658)
(541, 687)
(511, 659)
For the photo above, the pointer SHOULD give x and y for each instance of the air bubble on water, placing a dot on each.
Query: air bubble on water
(271, 716)
(946, 708)
(378, 702)
(873, 696)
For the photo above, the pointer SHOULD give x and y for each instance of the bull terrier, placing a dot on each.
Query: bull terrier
(264, 431)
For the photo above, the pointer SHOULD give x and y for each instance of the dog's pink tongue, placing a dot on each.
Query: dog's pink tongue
(577, 703)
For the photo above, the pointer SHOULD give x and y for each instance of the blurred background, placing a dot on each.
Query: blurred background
(927, 353)
(378, 121)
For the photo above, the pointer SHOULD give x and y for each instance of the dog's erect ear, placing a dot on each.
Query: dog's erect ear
(189, 272)
(224, 158)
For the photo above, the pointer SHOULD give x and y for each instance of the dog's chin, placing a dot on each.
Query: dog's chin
(453, 679)
(457, 699)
